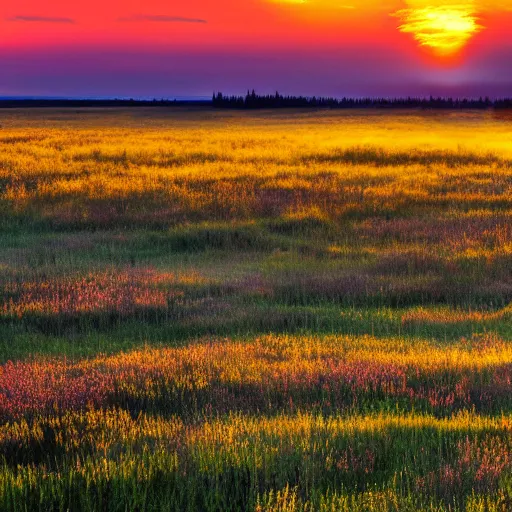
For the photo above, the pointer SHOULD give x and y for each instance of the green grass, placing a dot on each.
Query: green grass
(267, 312)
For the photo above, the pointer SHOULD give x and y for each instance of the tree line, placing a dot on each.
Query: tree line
(256, 101)
(273, 101)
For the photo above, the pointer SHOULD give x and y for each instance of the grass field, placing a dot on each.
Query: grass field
(223, 311)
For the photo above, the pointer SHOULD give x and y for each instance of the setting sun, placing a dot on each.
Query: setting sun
(328, 47)
(443, 29)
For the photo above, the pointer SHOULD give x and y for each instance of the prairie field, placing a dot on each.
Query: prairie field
(255, 311)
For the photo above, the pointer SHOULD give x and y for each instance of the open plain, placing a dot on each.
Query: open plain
(267, 311)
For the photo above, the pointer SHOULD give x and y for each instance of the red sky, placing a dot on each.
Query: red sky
(339, 47)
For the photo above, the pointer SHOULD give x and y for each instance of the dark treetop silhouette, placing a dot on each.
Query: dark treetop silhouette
(272, 101)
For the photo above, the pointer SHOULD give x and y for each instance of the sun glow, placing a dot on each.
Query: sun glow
(443, 29)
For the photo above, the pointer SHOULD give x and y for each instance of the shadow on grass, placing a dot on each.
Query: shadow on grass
(87, 335)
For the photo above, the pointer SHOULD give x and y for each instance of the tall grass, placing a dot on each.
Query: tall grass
(230, 311)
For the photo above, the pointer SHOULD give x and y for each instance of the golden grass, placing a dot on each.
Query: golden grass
(205, 310)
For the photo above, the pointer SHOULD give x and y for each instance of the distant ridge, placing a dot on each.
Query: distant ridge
(98, 103)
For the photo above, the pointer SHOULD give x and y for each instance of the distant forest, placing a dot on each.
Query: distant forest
(255, 101)
(272, 101)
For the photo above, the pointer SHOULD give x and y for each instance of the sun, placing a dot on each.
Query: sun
(445, 30)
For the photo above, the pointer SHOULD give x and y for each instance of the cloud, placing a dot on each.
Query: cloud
(42, 19)
(161, 19)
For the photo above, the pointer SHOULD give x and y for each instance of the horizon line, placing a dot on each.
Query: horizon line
(209, 98)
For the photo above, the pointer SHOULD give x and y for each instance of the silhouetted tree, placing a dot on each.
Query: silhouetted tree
(255, 101)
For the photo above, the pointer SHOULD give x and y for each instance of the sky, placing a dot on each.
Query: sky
(166, 48)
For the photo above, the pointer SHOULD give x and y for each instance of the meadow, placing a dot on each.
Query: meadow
(270, 311)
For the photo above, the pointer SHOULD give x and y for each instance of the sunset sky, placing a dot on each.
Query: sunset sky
(157, 48)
